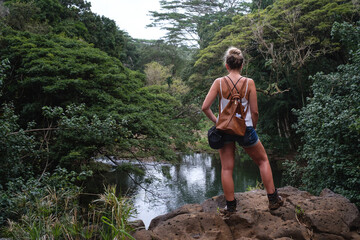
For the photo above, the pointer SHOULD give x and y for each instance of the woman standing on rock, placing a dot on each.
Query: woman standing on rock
(250, 141)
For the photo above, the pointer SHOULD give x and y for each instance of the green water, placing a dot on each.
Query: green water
(195, 179)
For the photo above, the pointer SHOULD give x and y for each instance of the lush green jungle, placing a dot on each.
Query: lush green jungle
(75, 87)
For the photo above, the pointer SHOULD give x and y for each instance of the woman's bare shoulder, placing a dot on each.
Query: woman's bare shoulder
(250, 81)
(217, 81)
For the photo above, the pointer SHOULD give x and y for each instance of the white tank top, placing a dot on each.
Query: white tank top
(245, 103)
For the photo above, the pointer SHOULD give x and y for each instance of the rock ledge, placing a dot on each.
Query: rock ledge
(326, 217)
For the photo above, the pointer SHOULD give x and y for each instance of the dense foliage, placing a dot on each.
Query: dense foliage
(62, 74)
(73, 19)
(49, 208)
(16, 147)
(68, 96)
(329, 124)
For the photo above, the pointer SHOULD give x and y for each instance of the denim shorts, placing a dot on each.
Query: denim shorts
(248, 140)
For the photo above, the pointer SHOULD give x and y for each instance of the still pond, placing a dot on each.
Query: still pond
(196, 178)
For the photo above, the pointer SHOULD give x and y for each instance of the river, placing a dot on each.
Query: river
(196, 178)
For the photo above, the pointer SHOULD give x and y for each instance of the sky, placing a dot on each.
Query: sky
(130, 16)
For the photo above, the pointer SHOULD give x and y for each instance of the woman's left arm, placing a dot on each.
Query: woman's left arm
(210, 97)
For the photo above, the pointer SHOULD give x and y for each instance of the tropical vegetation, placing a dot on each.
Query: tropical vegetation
(74, 87)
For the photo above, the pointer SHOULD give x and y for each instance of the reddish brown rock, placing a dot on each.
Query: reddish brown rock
(199, 225)
(303, 216)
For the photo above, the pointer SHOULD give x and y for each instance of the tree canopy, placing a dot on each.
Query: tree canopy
(193, 21)
(74, 98)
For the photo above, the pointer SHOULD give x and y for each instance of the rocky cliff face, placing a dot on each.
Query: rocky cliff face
(303, 216)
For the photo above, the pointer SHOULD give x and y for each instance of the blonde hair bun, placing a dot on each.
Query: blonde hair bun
(234, 58)
(235, 51)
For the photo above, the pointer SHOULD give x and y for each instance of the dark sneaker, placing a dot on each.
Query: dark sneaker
(276, 203)
(225, 213)
(229, 209)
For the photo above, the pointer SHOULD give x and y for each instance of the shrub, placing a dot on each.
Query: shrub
(48, 208)
(329, 124)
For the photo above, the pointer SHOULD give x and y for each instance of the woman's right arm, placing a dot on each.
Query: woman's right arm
(253, 102)
(210, 97)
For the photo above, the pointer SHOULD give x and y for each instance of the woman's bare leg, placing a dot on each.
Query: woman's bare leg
(227, 157)
(259, 156)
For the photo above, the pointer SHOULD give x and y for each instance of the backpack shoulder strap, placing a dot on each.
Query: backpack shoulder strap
(230, 94)
(234, 86)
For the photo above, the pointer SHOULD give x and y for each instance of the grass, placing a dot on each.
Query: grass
(258, 185)
(57, 215)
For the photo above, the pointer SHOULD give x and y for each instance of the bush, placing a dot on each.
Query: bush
(17, 147)
(23, 196)
(329, 124)
(48, 208)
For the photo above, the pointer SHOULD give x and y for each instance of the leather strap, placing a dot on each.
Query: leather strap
(234, 86)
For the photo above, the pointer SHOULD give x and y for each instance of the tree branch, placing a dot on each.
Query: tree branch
(269, 93)
(129, 175)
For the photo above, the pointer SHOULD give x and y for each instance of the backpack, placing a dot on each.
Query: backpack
(232, 118)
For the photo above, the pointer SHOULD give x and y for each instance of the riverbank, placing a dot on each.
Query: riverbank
(328, 216)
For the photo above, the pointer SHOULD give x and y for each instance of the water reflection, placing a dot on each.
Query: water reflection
(195, 179)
